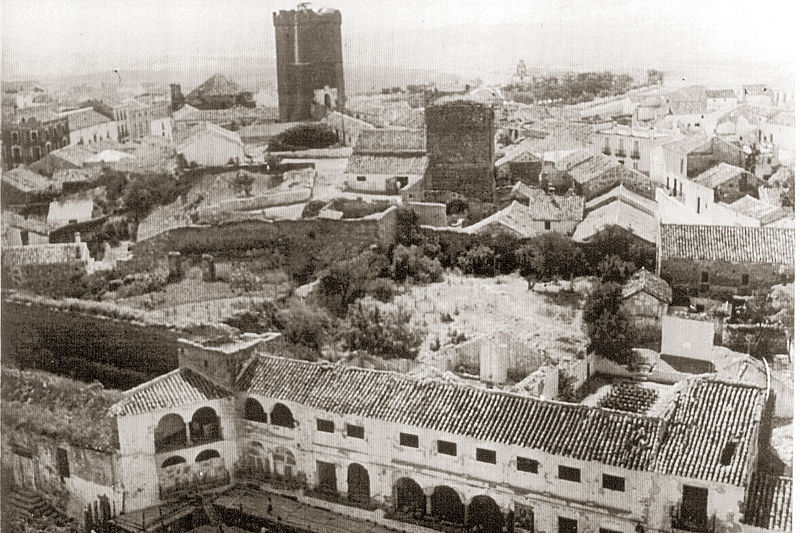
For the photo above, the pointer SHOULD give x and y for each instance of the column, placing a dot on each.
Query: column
(428, 506)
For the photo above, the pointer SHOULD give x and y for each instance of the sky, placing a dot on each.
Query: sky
(57, 37)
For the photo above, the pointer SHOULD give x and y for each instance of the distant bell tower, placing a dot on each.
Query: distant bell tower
(308, 46)
(522, 70)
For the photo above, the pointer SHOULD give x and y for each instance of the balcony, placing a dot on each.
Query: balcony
(607, 150)
(636, 155)
(620, 153)
(683, 521)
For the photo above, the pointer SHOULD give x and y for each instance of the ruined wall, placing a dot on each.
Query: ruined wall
(43, 279)
(724, 279)
(736, 188)
(715, 152)
(460, 144)
(633, 180)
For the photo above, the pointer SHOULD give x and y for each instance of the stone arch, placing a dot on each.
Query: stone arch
(283, 462)
(409, 496)
(281, 416)
(205, 455)
(172, 461)
(257, 457)
(205, 425)
(484, 512)
(253, 410)
(170, 433)
(357, 483)
(446, 504)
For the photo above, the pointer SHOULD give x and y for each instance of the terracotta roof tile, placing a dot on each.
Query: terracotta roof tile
(769, 502)
(644, 280)
(728, 243)
(390, 141)
(719, 174)
(182, 386)
(593, 167)
(386, 164)
(544, 206)
(620, 214)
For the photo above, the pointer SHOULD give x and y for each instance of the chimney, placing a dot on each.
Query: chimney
(209, 270)
(78, 237)
(494, 361)
(174, 266)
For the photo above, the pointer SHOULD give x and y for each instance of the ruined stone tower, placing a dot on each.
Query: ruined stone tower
(308, 46)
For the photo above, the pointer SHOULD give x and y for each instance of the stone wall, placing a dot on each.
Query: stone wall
(633, 180)
(724, 279)
(712, 153)
(43, 279)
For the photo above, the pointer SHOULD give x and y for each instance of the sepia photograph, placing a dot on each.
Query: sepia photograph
(415, 266)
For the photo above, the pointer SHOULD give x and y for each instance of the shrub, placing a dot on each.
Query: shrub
(550, 255)
(610, 332)
(346, 281)
(616, 241)
(410, 263)
(312, 208)
(303, 324)
(303, 136)
(456, 206)
(479, 261)
(358, 208)
(384, 334)
(382, 289)
(613, 269)
(407, 229)
(243, 183)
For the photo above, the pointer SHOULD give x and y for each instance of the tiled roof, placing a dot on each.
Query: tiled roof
(386, 164)
(720, 93)
(719, 174)
(591, 168)
(45, 254)
(770, 195)
(622, 193)
(783, 176)
(85, 118)
(390, 141)
(216, 85)
(764, 212)
(517, 218)
(728, 243)
(13, 220)
(544, 206)
(572, 159)
(212, 129)
(75, 154)
(687, 144)
(769, 502)
(703, 419)
(571, 430)
(264, 131)
(687, 107)
(26, 180)
(515, 151)
(784, 118)
(620, 214)
(182, 386)
(644, 280)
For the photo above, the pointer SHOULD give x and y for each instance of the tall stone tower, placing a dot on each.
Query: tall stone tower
(308, 46)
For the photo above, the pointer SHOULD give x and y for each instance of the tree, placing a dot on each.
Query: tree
(550, 255)
(347, 281)
(243, 183)
(610, 331)
(613, 269)
(410, 263)
(384, 334)
(479, 260)
(303, 324)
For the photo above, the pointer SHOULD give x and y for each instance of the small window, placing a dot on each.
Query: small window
(704, 277)
(726, 456)
(446, 447)
(486, 456)
(14, 137)
(361, 178)
(326, 426)
(356, 432)
(681, 166)
(527, 465)
(635, 165)
(567, 473)
(62, 462)
(567, 525)
(547, 224)
(409, 440)
(604, 530)
(613, 483)
(745, 279)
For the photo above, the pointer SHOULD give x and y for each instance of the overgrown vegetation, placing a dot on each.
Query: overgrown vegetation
(358, 208)
(303, 137)
(571, 88)
(383, 333)
(611, 333)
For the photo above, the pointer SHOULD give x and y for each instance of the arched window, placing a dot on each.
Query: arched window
(357, 483)
(484, 513)
(170, 433)
(254, 411)
(172, 461)
(283, 461)
(281, 416)
(205, 425)
(446, 505)
(409, 496)
(205, 455)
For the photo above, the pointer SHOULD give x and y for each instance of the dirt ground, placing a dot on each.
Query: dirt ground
(480, 306)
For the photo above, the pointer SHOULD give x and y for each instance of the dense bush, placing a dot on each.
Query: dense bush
(456, 206)
(383, 334)
(479, 261)
(614, 270)
(548, 256)
(302, 137)
(610, 331)
(312, 208)
(347, 281)
(409, 263)
(382, 289)
(358, 208)
(303, 324)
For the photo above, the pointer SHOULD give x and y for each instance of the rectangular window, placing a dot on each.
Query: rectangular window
(568, 473)
(409, 440)
(745, 279)
(357, 432)
(567, 525)
(446, 447)
(547, 224)
(326, 426)
(486, 456)
(635, 165)
(704, 277)
(361, 178)
(604, 530)
(527, 465)
(14, 137)
(62, 462)
(613, 483)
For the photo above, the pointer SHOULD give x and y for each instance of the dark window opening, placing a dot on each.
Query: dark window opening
(361, 178)
(326, 477)
(527, 465)
(62, 462)
(547, 224)
(446, 447)
(281, 416)
(567, 473)
(613, 483)
(254, 411)
(326, 426)
(726, 456)
(567, 525)
(604, 530)
(409, 440)
(357, 432)
(745, 279)
(486, 456)
(704, 277)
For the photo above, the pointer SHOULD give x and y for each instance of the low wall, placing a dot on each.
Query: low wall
(756, 339)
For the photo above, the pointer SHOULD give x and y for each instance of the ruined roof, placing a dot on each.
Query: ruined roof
(26, 180)
(593, 167)
(386, 164)
(718, 174)
(703, 419)
(764, 212)
(734, 244)
(216, 85)
(544, 206)
(769, 502)
(390, 141)
(182, 386)
(60, 408)
(45, 254)
(516, 218)
(720, 93)
(645, 281)
(571, 430)
(620, 214)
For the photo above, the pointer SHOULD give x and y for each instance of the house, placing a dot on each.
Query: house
(348, 128)
(693, 155)
(551, 212)
(31, 133)
(779, 131)
(21, 185)
(645, 296)
(212, 146)
(728, 182)
(68, 157)
(767, 214)
(519, 163)
(721, 261)
(617, 212)
(386, 161)
(758, 94)
(87, 126)
(69, 211)
(22, 231)
(516, 220)
(631, 146)
(601, 173)
(720, 100)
